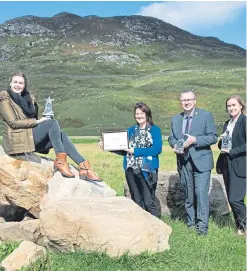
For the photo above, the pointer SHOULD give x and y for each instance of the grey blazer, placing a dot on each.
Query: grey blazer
(203, 128)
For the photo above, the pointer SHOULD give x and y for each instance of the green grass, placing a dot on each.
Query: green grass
(92, 97)
(221, 250)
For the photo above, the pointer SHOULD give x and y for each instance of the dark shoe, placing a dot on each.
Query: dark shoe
(61, 165)
(85, 173)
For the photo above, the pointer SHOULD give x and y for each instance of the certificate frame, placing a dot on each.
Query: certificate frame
(115, 140)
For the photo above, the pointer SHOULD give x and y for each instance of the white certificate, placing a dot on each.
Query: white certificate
(115, 141)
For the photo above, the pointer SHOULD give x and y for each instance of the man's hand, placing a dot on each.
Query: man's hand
(190, 140)
(176, 150)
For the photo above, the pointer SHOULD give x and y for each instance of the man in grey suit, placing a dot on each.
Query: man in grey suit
(196, 161)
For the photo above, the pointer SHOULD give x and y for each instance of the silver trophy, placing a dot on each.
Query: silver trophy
(179, 147)
(226, 143)
(48, 113)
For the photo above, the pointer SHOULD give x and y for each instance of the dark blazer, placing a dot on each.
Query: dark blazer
(203, 128)
(238, 152)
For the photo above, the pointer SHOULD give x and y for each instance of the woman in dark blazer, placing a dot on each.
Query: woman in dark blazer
(234, 172)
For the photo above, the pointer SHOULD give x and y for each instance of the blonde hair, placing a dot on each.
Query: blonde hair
(239, 100)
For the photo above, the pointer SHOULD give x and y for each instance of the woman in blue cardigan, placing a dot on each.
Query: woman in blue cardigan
(141, 161)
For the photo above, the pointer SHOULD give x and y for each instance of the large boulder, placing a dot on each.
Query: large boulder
(170, 194)
(27, 179)
(63, 188)
(23, 179)
(115, 225)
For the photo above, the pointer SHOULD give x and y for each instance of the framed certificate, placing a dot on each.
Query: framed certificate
(115, 141)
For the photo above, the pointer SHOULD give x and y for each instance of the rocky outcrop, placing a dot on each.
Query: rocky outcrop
(26, 180)
(115, 225)
(23, 179)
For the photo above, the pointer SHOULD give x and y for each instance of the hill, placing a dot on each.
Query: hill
(97, 68)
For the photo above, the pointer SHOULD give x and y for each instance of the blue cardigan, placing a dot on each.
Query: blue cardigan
(151, 152)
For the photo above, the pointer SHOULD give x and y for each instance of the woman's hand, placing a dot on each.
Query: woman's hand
(101, 143)
(42, 120)
(130, 151)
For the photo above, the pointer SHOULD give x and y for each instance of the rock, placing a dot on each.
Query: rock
(24, 255)
(114, 225)
(20, 231)
(63, 188)
(171, 196)
(23, 179)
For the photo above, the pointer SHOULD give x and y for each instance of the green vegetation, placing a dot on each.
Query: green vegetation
(220, 250)
(93, 96)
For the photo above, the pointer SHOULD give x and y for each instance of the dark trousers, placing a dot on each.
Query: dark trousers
(236, 191)
(196, 189)
(48, 135)
(143, 192)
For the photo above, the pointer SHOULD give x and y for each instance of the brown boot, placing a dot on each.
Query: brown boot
(62, 166)
(86, 173)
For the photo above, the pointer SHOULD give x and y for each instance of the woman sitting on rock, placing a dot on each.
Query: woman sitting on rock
(24, 132)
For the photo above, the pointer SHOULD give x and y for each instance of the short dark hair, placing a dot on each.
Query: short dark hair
(144, 108)
(187, 91)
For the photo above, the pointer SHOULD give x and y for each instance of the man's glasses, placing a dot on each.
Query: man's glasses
(187, 101)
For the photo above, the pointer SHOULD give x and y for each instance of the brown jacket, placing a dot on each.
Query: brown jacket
(17, 132)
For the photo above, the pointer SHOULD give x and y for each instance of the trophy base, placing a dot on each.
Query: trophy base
(48, 116)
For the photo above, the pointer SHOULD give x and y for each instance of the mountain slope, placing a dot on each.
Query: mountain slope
(97, 68)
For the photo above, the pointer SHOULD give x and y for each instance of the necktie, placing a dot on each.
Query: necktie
(186, 131)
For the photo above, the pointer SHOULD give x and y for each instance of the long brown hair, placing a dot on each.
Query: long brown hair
(144, 108)
(239, 100)
(22, 74)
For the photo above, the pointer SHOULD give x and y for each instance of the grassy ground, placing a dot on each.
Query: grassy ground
(220, 250)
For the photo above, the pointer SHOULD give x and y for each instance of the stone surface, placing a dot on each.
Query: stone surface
(171, 196)
(63, 188)
(20, 231)
(23, 179)
(24, 255)
(114, 225)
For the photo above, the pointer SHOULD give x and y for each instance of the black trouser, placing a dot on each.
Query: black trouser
(143, 192)
(236, 191)
(48, 135)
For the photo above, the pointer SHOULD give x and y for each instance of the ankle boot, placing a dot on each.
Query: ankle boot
(61, 165)
(86, 173)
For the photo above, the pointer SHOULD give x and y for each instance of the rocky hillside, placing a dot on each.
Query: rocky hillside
(123, 31)
(96, 68)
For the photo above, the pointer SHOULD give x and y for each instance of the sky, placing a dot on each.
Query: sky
(225, 20)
